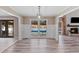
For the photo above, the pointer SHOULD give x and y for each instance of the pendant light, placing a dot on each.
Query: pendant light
(38, 15)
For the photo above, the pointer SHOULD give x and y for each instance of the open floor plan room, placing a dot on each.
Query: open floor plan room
(39, 29)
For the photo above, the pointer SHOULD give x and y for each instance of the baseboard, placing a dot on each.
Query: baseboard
(40, 38)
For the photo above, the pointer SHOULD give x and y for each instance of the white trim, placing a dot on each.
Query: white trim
(68, 11)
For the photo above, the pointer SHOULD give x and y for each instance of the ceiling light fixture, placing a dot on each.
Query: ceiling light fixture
(38, 15)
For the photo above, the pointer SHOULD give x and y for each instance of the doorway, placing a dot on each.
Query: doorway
(62, 25)
(6, 28)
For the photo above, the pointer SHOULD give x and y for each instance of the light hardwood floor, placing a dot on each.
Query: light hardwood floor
(6, 42)
(66, 44)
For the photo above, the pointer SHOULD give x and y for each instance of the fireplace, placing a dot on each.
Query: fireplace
(74, 30)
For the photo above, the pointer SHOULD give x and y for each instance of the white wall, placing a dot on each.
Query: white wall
(26, 31)
(57, 32)
(51, 31)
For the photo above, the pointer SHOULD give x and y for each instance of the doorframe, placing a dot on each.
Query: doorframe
(7, 29)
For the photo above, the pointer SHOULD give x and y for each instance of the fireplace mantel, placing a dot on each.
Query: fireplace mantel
(72, 25)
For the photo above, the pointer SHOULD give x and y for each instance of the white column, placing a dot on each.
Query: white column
(57, 34)
(19, 28)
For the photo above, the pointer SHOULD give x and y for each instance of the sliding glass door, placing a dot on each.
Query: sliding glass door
(39, 27)
(42, 27)
(34, 27)
(6, 28)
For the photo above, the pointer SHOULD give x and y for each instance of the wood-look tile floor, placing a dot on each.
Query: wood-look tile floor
(67, 44)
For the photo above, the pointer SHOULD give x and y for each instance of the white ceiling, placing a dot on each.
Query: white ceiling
(44, 10)
(3, 13)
